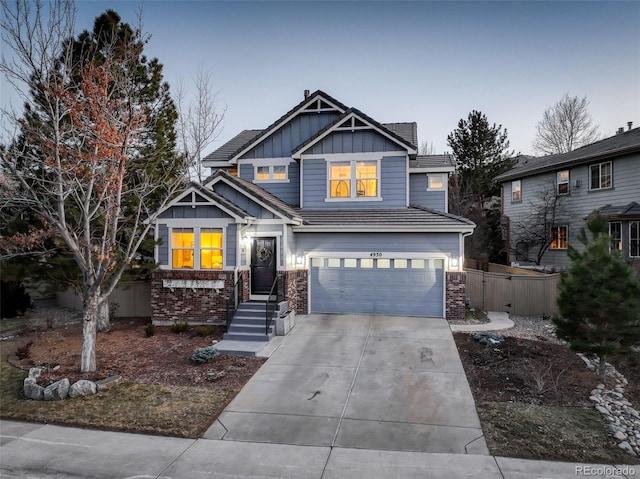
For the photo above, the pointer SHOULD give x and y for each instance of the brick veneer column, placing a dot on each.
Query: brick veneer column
(296, 291)
(456, 295)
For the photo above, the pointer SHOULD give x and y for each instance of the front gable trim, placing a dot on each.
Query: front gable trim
(353, 120)
(305, 106)
(256, 200)
(210, 199)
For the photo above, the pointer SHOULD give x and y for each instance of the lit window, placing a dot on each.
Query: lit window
(271, 173)
(634, 239)
(600, 176)
(210, 248)
(342, 176)
(340, 182)
(182, 248)
(615, 234)
(563, 182)
(559, 237)
(367, 178)
(436, 182)
(516, 191)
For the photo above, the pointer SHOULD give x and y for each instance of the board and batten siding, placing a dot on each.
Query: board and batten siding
(241, 201)
(359, 141)
(580, 201)
(282, 142)
(393, 185)
(446, 243)
(419, 194)
(163, 247)
(200, 211)
(289, 192)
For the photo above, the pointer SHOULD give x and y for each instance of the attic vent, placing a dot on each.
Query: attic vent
(620, 131)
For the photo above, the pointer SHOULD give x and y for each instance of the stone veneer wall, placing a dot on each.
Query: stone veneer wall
(297, 289)
(456, 296)
(186, 304)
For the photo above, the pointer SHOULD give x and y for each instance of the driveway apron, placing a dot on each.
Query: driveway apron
(359, 381)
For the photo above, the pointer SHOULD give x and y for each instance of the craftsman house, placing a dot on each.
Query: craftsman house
(603, 176)
(335, 205)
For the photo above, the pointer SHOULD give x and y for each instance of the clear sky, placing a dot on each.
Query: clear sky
(428, 62)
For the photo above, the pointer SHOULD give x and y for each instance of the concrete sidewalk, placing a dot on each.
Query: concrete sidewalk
(52, 452)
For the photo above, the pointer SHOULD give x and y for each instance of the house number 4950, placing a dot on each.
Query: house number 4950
(375, 255)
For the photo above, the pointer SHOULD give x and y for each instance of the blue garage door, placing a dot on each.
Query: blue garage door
(400, 287)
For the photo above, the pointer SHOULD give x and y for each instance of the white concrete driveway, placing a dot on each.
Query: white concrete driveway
(359, 381)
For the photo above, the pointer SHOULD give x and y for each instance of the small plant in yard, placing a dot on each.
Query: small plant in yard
(179, 327)
(204, 355)
(203, 330)
(540, 376)
(150, 330)
(599, 299)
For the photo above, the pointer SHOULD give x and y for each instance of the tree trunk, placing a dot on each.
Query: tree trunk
(90, 320)
(104, 322)
(602, 370)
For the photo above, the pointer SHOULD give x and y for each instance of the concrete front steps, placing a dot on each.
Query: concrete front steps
(246, 335)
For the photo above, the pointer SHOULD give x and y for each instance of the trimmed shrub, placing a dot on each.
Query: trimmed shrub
(179, 327)
(203, 330)
(150, 330)
(204, 355)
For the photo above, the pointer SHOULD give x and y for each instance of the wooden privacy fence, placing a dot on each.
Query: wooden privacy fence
(128, 300)
(522, 294)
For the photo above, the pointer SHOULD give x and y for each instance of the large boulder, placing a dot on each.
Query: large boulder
(56, 391)
(32, 390)
(83, 387)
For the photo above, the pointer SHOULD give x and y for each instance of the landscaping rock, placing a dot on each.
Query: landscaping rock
(83, 387)
(32, 390)
(107, 383)
(56, 391)
(490, 339)
(35, 372)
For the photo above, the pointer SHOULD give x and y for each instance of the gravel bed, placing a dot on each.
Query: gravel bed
(532, 327)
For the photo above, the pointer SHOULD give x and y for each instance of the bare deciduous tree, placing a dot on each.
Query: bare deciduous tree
(532, 232)
(199, 121)
(76, 162)
(565, 126)
(427, 148)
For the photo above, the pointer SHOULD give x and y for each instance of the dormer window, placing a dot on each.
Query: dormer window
(353, 180)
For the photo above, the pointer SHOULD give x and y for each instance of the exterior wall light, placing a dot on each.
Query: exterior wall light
(453, 263)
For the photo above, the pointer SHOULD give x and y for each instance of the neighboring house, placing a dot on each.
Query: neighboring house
(603, 176)
(336, 204)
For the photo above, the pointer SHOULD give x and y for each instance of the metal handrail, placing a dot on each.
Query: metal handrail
(233, 302)
(271, 306)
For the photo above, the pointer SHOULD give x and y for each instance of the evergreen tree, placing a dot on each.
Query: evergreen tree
(599, 299)
(481, 152)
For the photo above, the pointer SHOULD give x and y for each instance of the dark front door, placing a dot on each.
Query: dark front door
(263, 265)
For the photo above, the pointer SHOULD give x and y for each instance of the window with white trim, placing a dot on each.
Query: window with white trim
(353, 179)
(435, 181)
(271, 173)
(191, 247)
(615, 235)
(600, 177)
(634, 239)
(559, 236)
(516, 191)
(563, 182)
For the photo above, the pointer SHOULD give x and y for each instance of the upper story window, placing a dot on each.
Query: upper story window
(615, 234)
(516, 191)
(184, 248)
(563, 182)
(634, 239)
(436, 181)
(271, 173)
(353, 179)
(559, 235)
(600, 176)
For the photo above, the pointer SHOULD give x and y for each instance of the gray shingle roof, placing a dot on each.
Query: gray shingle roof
(412, 218)
(432, 161)
(408, 131)
(226, 151)
(628, 211)
(259, 193)
(617, 145)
